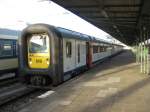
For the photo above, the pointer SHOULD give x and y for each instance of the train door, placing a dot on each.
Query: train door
(80, 53)
(88, 55)
(58, 56)
(69, 55)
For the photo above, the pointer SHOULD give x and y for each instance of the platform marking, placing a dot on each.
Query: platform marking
(107, 92)
(113, 79)
(102, 83)
(24, 110)
(102, 93)
(65, 103)
(95, 84)
(48, 93)
(98, 74)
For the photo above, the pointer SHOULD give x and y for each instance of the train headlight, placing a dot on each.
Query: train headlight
(30, 61)
(47, 61)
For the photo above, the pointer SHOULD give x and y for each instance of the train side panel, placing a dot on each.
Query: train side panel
(98, 52)
(68, 55)
(74, 53)
(8, 54)
(116, 49)
(8, 64)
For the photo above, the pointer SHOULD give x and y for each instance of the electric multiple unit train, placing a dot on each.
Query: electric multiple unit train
(52, 55)
(8, 51)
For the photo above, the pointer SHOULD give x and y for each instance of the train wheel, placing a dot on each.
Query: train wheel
(40, 80)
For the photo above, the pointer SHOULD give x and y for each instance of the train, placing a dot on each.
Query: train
(8, 51)
(50, 55)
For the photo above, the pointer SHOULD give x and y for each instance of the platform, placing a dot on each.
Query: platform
(115, 85)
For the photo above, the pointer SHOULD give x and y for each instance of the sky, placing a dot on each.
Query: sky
(17, 14)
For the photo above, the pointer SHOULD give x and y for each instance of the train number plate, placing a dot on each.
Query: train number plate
(38, 60)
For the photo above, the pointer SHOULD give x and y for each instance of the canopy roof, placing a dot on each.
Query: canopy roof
(120, 18)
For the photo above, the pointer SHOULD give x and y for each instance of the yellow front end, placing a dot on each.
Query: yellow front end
(39, 51)
(38, 60)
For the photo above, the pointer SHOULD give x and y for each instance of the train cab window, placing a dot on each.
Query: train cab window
(6, 48)
(68, 49)
(78, 53)
(39, 44)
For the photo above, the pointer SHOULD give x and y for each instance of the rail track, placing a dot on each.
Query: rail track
(11, 90)
(8, 81)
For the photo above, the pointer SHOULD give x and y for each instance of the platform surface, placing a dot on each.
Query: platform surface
(115, 85)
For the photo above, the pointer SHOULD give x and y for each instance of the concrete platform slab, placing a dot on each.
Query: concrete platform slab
(113, 86)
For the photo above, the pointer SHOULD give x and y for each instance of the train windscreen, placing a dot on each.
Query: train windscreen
(39, 44)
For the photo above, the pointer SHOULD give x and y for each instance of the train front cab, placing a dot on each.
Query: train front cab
(40, 56)
(38, 51)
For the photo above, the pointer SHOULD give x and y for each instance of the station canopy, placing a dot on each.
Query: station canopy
(120, 18)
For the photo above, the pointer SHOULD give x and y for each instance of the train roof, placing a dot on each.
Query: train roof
(76, 35)
(10, 32)
(94, 39)
(72, 34)
(66, 33)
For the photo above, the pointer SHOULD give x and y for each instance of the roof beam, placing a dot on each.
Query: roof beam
(95, 6)
(119, 17)
(124, 19)
(96, 11)
(118, 12)
(140, 12)
(110, 24)
(106, 15)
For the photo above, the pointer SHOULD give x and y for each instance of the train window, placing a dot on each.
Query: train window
(104, 49)
(101, 48)
(6, 48)
(16, 50)
(109, 48)
(78, 53)
(95, 49)
(68, 49)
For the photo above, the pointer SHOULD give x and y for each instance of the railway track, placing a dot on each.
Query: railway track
(8, 81)
(14, 91)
